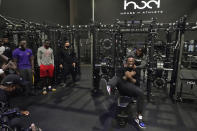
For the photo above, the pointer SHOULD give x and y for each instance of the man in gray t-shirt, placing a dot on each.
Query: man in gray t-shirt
(45, 59)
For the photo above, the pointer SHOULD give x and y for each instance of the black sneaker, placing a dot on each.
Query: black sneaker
(140, 122)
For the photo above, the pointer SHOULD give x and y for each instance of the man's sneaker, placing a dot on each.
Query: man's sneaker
(140, 122)
(53, 90)
(49, 88)
(109, 89)
(44, 92)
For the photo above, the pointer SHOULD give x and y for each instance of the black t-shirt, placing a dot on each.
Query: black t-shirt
(137, 76)
(8, 52)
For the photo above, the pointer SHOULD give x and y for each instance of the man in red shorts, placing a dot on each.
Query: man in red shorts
(45, 59)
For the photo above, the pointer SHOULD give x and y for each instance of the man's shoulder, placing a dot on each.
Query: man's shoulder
(51, 49)
(2, 47)
(28, 49)
(40, 48)
(16, 50)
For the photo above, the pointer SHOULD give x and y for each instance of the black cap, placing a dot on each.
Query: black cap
(139, 46)
(12, 79)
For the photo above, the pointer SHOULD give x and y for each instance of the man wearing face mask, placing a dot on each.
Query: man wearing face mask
(45, 59)
(67, 61)
(24, 60)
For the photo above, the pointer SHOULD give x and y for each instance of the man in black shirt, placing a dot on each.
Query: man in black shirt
(67, 61)
(140, 60)
(127, 83)
(6, 44)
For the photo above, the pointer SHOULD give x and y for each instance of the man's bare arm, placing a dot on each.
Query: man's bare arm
(129, 75)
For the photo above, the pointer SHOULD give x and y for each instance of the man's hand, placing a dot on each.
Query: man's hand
(34, 128)
(26, 113)
(134, 66)
(74, 64)
(132, 73)
(133, 80)
(61, 66)
(129, 74)
(12, 65)
(124, 78)
(5, 67)
(32, 71)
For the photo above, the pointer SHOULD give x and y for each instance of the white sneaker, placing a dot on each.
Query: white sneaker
(140, 122)
(109, 89)
(49, 87)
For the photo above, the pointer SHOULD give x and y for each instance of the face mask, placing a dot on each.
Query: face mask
(67, 46)
(46, 46)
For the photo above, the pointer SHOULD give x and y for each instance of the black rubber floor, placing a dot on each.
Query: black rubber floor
(75, 109)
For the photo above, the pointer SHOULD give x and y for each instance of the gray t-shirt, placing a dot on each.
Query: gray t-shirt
(45, 56)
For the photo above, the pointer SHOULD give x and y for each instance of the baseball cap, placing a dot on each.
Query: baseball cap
(14, 79)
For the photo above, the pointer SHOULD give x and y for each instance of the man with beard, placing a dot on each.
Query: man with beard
(45, 59)
(24, 60)
(127, 84)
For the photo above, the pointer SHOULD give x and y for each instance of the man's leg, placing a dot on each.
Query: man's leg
(73, 73)
(114, 81)
(50, 77)
(23, 74)
(66, 73)
(129, 89)
(30, 80)
(43, 79)
(111, 84)
(21, 123)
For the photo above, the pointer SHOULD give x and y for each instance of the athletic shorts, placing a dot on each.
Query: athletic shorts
(46, 70)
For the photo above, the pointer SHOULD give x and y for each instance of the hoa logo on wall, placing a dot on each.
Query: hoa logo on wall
(142, 7)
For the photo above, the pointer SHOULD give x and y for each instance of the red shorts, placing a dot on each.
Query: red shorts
(46, 70)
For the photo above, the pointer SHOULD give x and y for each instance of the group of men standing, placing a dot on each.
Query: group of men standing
(25, 64)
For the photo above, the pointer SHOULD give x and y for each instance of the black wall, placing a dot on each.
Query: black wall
(81, 12)
(50, 11)
(108, 10)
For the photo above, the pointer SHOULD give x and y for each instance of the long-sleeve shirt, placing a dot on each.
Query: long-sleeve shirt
(136, 76)
(67, 56)
(45, 56)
